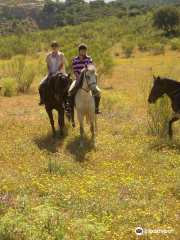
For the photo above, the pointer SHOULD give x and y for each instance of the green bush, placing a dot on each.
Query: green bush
(24, 74)
(144, 45)
(5, 53)
(175, 44)
(158, 116)
(8, 87)
(128, 48)
(157, 48)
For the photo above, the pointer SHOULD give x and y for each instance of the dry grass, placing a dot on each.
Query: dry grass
(52, 189)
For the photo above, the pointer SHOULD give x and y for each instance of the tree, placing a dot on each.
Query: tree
(97, 4)
(166, 18)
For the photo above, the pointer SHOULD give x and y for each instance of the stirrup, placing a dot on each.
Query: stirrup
(68, 111)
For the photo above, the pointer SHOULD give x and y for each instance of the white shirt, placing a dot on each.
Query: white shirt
(53, 65)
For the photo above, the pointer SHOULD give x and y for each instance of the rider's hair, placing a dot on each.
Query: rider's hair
(54, 44)
(82, 47)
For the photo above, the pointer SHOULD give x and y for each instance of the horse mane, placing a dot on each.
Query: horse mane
(58, 78)
(89, 68)
(171, 80)
(81, 78)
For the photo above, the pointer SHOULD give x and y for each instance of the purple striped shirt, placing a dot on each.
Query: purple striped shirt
(78, 65)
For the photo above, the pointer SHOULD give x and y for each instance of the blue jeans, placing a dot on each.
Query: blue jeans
(43, 82)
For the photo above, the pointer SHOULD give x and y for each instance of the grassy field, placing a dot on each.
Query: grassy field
(50, 189)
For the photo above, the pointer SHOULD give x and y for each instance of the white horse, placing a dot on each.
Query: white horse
(84, 100)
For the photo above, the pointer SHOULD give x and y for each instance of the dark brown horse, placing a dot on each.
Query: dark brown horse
(54, 95)
(172, 89)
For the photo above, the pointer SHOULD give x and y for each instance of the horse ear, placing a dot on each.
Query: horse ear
(158, 78)
(86, 65)
(69, 75)
(154, 77)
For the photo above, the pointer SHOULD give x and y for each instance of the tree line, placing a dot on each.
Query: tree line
(75, 12)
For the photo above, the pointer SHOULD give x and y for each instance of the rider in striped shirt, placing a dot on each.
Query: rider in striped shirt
(78, 65)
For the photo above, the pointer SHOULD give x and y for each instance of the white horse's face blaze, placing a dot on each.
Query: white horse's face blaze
(91, 80)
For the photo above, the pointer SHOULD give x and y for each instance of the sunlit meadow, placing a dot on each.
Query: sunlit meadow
(50, 189)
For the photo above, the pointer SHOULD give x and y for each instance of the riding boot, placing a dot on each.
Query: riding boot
(97, 100)
(69, 106)
(41, 101)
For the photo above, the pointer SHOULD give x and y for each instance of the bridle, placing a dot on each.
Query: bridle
(89, 85)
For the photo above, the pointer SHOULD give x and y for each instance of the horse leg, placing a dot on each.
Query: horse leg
(49, 112)
(80, 118)
(72, 116)
(61, 119)
(92, 131)
(72, 109)
(81, 132)
(174, 119)
(95, 123)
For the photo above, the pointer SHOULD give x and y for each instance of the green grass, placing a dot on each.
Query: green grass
(52, 189)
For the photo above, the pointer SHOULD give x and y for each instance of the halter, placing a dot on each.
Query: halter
(89, 85)
(175, 91)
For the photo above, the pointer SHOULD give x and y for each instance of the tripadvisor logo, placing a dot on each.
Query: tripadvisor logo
(139, 231)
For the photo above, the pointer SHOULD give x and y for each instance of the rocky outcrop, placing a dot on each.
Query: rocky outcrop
(29, 10)
(21, 11)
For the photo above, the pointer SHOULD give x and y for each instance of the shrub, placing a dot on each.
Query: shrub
(175, 44)
(128, 48)
(116, 54)
(5, 53)
(144, 45)
(158, 116)
(24, 74)
(158, 48)
(8, 87)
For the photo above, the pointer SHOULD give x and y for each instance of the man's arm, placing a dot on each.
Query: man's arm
(61, 67)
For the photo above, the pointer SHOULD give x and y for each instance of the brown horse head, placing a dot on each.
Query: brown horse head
(157, 90)
(60, 84)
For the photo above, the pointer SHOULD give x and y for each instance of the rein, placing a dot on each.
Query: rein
(175, 91)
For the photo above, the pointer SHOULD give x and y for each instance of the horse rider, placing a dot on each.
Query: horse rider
(55, 63)
(78, 64)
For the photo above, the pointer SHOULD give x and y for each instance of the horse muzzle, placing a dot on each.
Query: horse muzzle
(94, 92)
(151, 101)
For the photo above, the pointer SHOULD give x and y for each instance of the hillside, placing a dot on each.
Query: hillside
(155, 2)
(21, 17)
